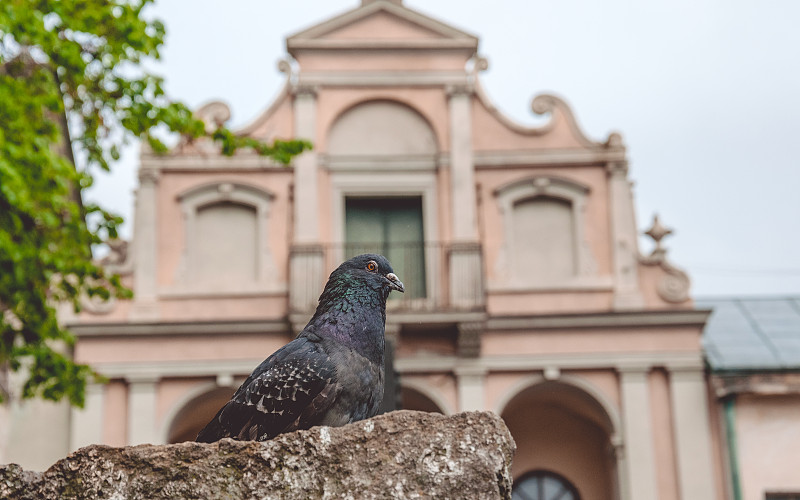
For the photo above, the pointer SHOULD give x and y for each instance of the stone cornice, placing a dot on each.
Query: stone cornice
(690, 317)
(482, 160)
(385, 44)
(619, 361)
(696, 318)
(382, 78)
(427, 364)
(767, 382)
(367, 163)
(546, 157)
(215, 161)
(157, 370)
(95, 330)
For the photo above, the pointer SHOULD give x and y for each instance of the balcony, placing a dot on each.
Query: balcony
(439, 277)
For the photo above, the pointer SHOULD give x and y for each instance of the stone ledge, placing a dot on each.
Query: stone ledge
(403, 454)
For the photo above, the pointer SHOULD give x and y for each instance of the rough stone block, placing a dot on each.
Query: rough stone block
(403, 454)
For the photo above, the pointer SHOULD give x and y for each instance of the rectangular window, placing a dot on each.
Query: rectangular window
(391, 227)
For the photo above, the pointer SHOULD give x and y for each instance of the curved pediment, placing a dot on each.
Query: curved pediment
(561, 131)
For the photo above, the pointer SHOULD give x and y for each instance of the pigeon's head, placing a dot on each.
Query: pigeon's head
(373, 269)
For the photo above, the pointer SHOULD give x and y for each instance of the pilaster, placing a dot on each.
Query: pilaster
(462, 173)
(627, 294)
(306, 278)
(306, 204)
(145, 306)
(471, 380)
(392, 397)
(466, 276)
(640, 477)
(692, 434)
(142, 410)
(86, 424)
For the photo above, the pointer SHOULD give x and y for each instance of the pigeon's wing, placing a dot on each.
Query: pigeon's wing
(291, 389)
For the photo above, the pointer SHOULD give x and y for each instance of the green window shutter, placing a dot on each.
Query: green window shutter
(391, 227)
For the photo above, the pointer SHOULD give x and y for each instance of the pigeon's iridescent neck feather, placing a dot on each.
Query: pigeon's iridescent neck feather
(353, 311)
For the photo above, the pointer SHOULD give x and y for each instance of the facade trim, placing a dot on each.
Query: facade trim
(695, 318)
(424, 364)
(188, 328)
(382, 78)
(619, 361)
(374, 44)
(213, 160)
(548, 157)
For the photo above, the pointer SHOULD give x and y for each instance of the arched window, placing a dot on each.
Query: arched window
(544, 241)
(412, 399)
(569, 423)
(225, 241)
(194, 414)
(383, 157)
(225, 244)
(543, 485)
(380, 129)
(544, 244)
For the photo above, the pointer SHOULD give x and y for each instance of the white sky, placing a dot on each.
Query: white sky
(705, 94)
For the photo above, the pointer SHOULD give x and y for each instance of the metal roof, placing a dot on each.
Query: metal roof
(752, 333)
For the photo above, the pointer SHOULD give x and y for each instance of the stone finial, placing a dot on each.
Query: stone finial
(674, 287)
(477, 64)
(614, 141)
(658, 232)
(214, 114)
(284, 66)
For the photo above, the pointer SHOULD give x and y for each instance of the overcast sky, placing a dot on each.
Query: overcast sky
(705, 94)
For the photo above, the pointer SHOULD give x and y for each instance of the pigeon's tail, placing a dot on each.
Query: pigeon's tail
(212, 432)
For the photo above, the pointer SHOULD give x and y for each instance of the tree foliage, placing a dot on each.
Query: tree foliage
(72, 80)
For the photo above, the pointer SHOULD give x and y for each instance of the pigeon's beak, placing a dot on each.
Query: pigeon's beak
(395, 282)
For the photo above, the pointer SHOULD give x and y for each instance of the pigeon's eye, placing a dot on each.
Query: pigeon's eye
(372, 266)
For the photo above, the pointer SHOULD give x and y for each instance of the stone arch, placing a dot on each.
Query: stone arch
(609, 408)
(193, 411)
(419, 396)
(565, 425)
(381, 128)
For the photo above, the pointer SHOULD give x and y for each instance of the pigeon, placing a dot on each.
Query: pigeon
(330, 374)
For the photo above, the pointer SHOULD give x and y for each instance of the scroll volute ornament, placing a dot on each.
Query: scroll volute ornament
(674, 287)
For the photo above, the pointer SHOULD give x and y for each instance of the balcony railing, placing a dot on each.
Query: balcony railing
(438, 277)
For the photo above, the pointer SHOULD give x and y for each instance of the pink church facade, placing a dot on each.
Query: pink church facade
(528, 295)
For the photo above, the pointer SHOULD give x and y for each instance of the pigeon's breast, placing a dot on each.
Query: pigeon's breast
(360, 388)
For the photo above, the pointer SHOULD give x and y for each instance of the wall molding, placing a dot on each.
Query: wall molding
(689, 317)
(277, 326)
(615, 360)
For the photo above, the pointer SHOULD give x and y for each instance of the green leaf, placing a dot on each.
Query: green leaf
(87, 71)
